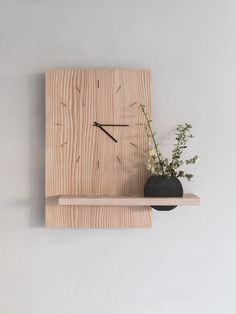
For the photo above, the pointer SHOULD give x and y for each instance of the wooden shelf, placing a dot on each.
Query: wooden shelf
(187, 199)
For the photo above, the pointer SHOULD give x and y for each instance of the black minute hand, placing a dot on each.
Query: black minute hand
(99, 126)
(114, 124)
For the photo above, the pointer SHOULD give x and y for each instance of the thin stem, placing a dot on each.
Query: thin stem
(150, 129)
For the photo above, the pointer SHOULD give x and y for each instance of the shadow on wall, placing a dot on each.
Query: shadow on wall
(37, 149)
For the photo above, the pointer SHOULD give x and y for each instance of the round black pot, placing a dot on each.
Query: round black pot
(160, 186)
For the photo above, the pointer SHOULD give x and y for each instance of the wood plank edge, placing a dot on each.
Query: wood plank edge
(187, 199)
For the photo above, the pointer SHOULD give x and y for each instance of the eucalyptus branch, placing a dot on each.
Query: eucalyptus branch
(158, 165)
(182, 136)
(192, 160)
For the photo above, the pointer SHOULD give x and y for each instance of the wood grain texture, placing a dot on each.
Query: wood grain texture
(187, 199)
(83, 160)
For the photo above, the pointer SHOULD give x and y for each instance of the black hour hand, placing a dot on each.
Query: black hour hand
(100, 127)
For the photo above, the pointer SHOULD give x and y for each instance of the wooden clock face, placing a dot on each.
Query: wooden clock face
(95, 139)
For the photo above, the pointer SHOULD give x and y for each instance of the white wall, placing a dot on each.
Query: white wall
(186, 262)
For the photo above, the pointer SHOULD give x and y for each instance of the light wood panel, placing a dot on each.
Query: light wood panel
(187, 199)
(81, 159)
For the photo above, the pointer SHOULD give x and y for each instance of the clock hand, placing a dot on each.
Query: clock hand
(99, 126)
(107, 133)
(114, 124)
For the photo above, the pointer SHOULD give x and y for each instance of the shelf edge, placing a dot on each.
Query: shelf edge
(74, 200)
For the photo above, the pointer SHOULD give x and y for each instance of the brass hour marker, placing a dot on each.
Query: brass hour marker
(118, 159)
(63, 144)
(62, 103)
(133, 144)
(118, 89)
(98, 83)
(78, 90)
(98, 164)
(57, 123)
(138, 124)
(134, 103)
(77, 159)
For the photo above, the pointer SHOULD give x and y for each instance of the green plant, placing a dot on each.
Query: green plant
(156, 163)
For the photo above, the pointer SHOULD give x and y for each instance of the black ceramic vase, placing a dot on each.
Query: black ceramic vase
(160, 186)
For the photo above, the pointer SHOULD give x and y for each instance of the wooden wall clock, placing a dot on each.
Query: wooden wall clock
(95, 144)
